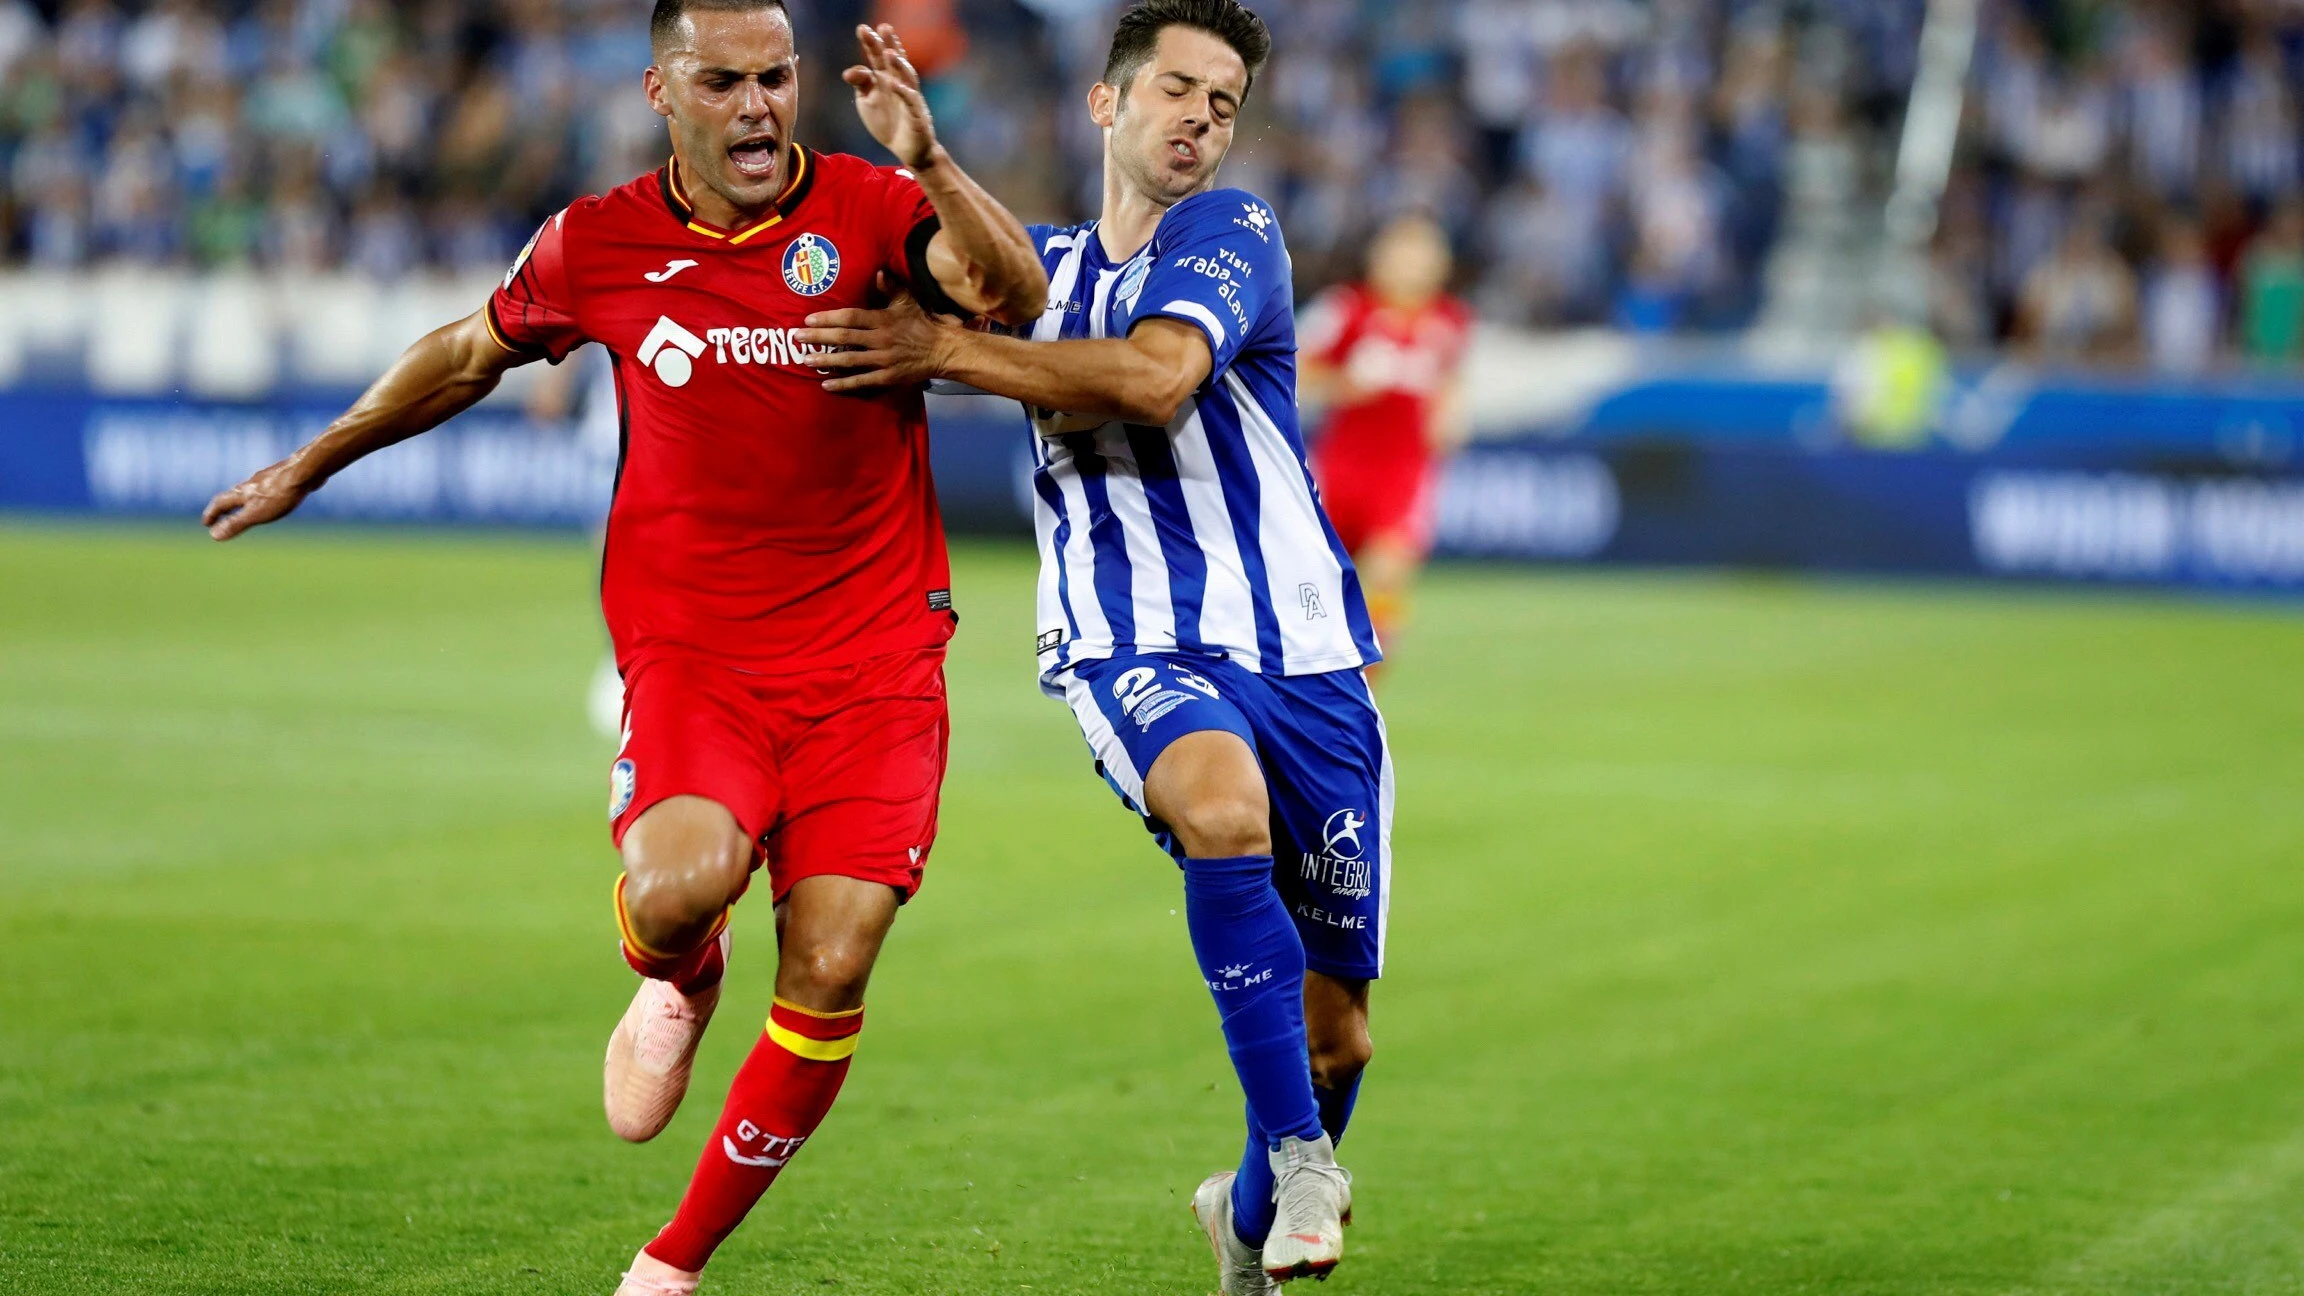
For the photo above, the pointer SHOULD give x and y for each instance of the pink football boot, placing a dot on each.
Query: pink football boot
(650, 1276)
(651, 1053)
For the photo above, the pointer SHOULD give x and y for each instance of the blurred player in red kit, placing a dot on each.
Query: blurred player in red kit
(774, 580)
(1384, 357)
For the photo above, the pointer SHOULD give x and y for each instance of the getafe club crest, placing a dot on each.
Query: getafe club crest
(811, 264)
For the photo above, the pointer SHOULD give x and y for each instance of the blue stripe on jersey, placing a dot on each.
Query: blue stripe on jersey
(1115, 583)
(1220, 420)
(1172, 517)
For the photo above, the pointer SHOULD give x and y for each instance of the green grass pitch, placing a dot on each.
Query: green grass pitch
(1750, 937)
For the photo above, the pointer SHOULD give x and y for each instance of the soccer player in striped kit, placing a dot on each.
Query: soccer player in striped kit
(1197, 611)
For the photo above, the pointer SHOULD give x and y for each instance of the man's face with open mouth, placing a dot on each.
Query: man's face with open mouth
(1174, 123)
(730, 89)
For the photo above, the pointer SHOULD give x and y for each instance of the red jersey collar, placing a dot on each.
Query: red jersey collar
(676, 198)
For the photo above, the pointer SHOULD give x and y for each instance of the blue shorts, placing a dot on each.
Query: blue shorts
(1327, 770)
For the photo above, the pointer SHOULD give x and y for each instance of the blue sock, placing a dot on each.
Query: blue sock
(1253, 961)
(1336, 1106)
(1252, 1201)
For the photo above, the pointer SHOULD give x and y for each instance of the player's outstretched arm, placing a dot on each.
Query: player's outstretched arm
(981, 258)
(1142, 378)
(445, 373)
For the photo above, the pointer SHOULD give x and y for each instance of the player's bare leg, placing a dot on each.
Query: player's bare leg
(685, 861)
(1336, 1037)
(829, 931)
(1388, 563)
(1336, 1033)
(1209, 790)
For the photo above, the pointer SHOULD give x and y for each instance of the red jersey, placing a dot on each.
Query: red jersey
(1400, 361)
(758, 519)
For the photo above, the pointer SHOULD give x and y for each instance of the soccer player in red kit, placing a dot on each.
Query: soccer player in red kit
(1384, 357)
(774, 579)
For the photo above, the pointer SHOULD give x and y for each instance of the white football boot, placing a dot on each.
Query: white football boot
(1312, 1200)
(1239, 1266)
(651, 1054)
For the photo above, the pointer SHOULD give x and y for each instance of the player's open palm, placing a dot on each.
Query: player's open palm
(888, 97)
(266, 497)
(899, 345)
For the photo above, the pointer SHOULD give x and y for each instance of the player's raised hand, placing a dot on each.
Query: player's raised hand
(268, 496)
(888, 98)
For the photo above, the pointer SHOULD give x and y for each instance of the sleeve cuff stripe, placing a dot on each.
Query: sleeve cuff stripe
(1200, 315)
(496, 331)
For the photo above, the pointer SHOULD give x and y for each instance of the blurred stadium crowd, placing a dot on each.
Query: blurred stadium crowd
(2127, 188)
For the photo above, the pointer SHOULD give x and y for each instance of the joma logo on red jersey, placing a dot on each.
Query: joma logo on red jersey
(672, 350)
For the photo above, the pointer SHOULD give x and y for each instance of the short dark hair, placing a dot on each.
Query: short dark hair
(664, 24)
(1138, 34)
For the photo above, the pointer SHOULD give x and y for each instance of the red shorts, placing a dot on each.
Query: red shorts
(830, 771)
(1366, 506)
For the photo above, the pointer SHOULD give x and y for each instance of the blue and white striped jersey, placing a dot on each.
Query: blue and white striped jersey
(1206, 535)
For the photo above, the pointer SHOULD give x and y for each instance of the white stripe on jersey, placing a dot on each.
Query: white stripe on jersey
(1050, 325)
(1101, 298)
(1201, 313)
(1048, 600)
(1227, 607)
(1301, 574)
(1053, 583)
(1384, 799)
(1151, 599)
(1078, 561)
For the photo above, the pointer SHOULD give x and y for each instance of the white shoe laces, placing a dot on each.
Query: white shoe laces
(1311, 1196)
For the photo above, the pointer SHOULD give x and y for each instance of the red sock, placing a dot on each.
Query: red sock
(694, 971)
(780, 1095)
(1386, 614)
